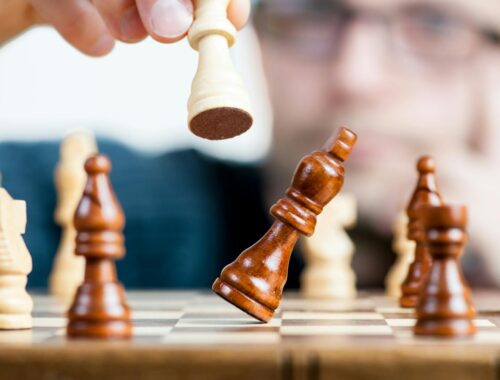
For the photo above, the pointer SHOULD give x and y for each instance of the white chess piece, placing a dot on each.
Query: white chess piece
(15, 265)
(219, 105)
(329, 251)
(405, 251)
(70, 177)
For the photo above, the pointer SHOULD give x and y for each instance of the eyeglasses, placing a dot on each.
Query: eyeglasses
(316, 28)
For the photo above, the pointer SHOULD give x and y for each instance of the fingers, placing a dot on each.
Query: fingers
(79, 23)
(166, 20)
(92, 26)
(238, 12)
(169, 20)
(122, 18)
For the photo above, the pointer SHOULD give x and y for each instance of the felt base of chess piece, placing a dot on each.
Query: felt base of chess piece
(445, 306)
(254, 281)
(221, 123)
(219, 106)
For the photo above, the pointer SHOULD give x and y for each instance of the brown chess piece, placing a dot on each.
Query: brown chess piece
(254, 281)
(445, 306)
(426, 193)
(99, 309)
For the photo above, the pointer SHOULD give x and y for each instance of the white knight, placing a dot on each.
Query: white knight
(15, 265)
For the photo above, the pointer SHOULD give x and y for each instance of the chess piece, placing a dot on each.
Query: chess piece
(445, 306)
(254, 281)
(15, 265)
(68, 270)
(426, 193)
(328, 253)
(99, 309)
(219, 105)
(405, 252)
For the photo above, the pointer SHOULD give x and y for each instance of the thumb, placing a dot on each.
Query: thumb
(170, 20)
(166, 20)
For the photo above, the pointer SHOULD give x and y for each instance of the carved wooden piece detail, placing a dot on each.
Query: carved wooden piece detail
(254, 281)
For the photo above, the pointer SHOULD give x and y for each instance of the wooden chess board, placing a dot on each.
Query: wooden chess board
(306, 336)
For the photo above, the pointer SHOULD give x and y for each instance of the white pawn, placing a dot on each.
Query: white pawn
(15, 265)
(219, 105)
(405, 251)
(328, 253)
(70, 177)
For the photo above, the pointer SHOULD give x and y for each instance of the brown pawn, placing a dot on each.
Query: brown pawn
(254, 281)
(425, 194)
(99, 309)
(445, 306)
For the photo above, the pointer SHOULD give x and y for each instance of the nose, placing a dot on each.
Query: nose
(360, 67)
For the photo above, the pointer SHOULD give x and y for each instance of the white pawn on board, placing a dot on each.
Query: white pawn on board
(405, 251)
(219, 105)
(15, 265)
(328, 252)
(70, 177)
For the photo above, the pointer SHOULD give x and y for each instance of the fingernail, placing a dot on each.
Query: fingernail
(171, 18)
(103, 45)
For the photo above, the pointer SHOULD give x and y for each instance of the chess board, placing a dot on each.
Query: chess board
(197, 335)
(201, 318)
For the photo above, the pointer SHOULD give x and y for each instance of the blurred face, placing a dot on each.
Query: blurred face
(401, 73)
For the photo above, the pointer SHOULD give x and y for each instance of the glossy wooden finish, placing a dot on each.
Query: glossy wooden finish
(192, 335)
(426, 193)
(254, 281)
(445, 306)
(99, 308)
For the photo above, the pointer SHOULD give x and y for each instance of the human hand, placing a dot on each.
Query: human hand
(93, 26)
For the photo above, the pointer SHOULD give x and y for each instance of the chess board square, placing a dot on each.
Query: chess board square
(155, 314)
(394, 310)
(331, 315)
(151, 330)
(326, 305)
(348, 329)
(333, 322)
(155, 322)
(210, 314)
(225, 322)
(215, 337)
(410, 322)
(249, 330)
(49, 322)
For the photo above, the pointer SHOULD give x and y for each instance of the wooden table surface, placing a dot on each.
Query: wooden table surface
(195, 335)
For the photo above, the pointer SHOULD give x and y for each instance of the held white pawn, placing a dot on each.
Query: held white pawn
(328, 253)
(15, 265)
(219, 105)
(405, 251)
(70, 177)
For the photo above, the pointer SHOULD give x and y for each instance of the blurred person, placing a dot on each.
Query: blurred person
(411, 77)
